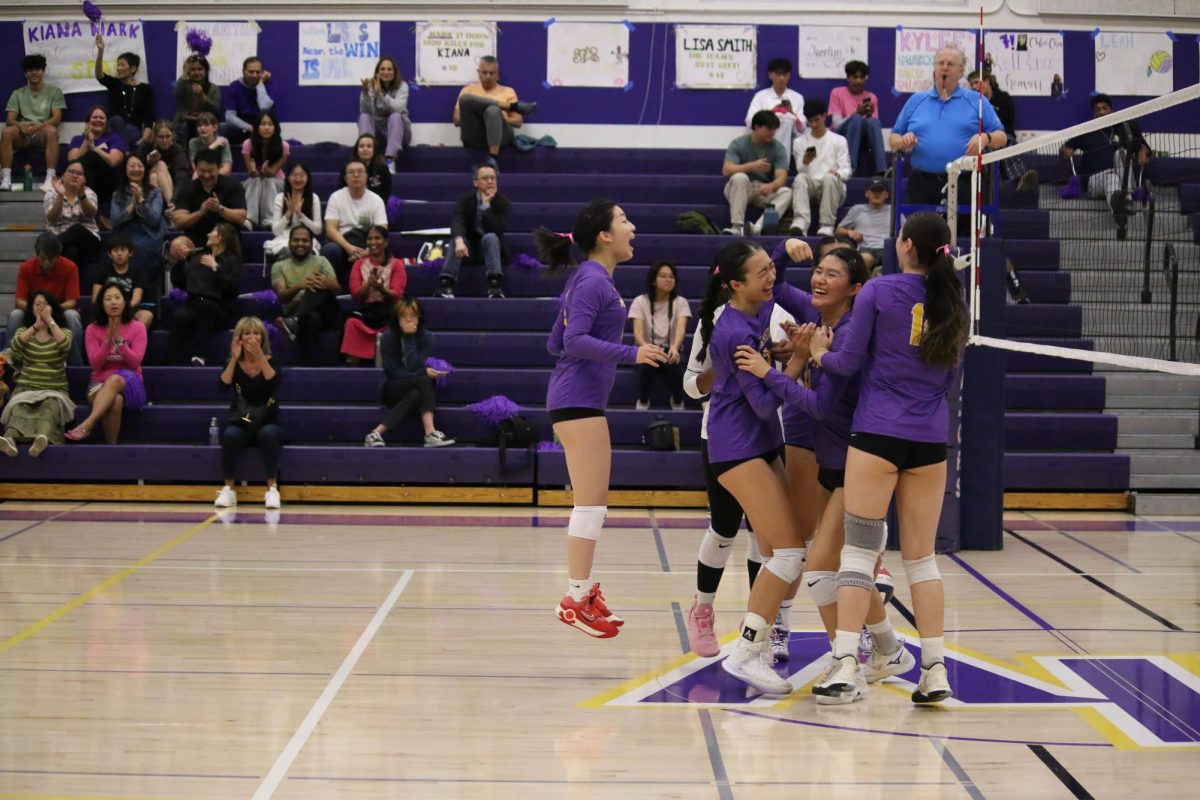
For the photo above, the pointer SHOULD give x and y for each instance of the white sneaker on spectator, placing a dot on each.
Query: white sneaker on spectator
(271, 499)
(197, 361)
(640, 406)
(437, 439)
(40, 443)
(825, 230)
(755, 228)
(6, 184)
(733, 230)
(8, 447)
(226, 498)
(49, 184)
(374, 439)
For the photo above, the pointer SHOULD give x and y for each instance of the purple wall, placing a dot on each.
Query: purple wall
(522, 54)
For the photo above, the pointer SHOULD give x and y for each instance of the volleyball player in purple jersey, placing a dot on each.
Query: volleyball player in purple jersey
(586, 339)
(745, 442)
(831, 402)
(907, 336)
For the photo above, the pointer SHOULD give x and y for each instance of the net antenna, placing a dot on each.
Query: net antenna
(1052, 140)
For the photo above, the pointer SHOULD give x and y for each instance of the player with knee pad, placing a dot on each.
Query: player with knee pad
(586, 341)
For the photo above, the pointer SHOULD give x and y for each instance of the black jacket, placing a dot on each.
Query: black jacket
(495, 219)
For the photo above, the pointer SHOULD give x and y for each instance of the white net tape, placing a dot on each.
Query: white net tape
(1115, 359)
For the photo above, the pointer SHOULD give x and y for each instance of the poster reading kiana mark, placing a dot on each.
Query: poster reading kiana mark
(448, 53)
(70, 49)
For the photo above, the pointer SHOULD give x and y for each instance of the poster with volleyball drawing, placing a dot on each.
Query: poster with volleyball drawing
(1134, 63)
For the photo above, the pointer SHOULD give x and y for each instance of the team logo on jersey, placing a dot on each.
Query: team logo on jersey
(1133, 701)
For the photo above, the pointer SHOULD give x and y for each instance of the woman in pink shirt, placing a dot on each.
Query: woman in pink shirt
(116, 344)
(376, 283)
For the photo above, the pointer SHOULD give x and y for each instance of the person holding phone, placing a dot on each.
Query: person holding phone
(203, 203)
(783, 102)
(822, 169)
(855, 113)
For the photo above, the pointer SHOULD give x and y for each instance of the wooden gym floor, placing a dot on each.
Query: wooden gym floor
(161, 651)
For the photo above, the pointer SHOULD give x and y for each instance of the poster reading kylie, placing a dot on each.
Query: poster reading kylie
(70, 49)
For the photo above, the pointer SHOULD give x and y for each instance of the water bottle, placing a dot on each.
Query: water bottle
(28, 184)
(214, 432)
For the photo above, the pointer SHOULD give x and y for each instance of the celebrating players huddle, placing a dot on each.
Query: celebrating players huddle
(822, 406)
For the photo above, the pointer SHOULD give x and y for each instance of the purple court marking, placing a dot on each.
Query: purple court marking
(1115, 677)
(1130, 525)
(1027, 525)
(1188, 526)
(910, 734)
(1012, 601)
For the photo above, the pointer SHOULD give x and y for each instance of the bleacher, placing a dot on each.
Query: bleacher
(1058, 437)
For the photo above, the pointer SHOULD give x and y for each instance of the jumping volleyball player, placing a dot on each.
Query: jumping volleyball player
(907, 335)
(586, 339)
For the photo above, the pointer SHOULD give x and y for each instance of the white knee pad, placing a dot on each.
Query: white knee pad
(822, 586)
(857, 567)
(922, 569)
(786, 564)
(715, 549)
(586, 522)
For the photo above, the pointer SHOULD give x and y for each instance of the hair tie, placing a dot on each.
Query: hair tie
(944, 250)
(717, 269)
(569, 237)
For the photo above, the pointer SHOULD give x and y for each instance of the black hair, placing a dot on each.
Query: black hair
(100, 316)
(555, 249)
(814, 107)
(484, 165)
(779, 65)
(376, 152)
(123, 177)
(840, 239)
(392, 87)
(119, 240)
(230, 238)
(56, 310)
(406, 303)
(355, 160)
(306, 205)
(764, 119)
(33, 61)
(266, 151)
(207, 155)
(945, 315)
(730, 266)
(856, 267)
(48, 245)
(304, 228)
(857, 66)
(652, 286)
(93, 110)
(250, 60)
(1100, 97)
(196, 58)
(132, 59)
(382, 230)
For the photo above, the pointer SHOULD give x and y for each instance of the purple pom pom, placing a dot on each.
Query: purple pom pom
(434, 264)
(273, 336)
(135, 391)
(199, 42)
(494, 410)
(548, 447)
(441, 366)
(177, 296)
(93, 12)
(1073, 189)
(394, 206)
(267, 302)
(528, 262)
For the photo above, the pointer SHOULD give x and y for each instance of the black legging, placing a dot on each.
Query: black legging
(671, 373)
(235, 439)
(316, 312)
(192, 327)
(405, 395)
(101, 177)
(80, 246)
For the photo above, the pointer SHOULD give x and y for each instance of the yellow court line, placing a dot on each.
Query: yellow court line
(103, 586)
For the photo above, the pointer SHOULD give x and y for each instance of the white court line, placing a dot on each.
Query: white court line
(273, 778)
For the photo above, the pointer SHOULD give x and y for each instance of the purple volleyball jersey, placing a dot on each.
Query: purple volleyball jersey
(743, 419)
(797, 423)
(586, 338)
(900, 395)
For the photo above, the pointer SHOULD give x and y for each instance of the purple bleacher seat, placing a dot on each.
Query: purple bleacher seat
(1054, 392)
(1085, 472)
(1055, 430)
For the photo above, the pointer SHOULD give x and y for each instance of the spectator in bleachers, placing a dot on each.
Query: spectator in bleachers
(488, 112)
(122, 270)
(296, 205)
(660, 316)
(478, 224)
(307, 290)
(130, 102)
(194, 95)
(166, 160)
(383, 110)
(1011, 169)
(49, 272)
(855, 113)
(34, 112)
(116, 345)
(755, 170)
(377, 281)
(100, 151)
(206, 138)
(210, 276)
(203, 203)
(138, 211)
(379, 176)
(265, 152)
(783, 102)
(71, 215)
(408, 384)
(39, 409)
(822, 169)
(244, 100)
(869, 224)
(940, 125)
(254, 376)
(350, 212)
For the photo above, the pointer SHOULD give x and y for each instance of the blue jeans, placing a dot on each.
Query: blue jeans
(488, 251)
(859, 130)
(235, 439)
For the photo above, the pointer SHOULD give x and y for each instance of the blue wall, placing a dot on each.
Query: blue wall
(522, 54)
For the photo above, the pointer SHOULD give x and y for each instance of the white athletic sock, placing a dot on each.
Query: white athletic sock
(754, 628)
(933, 650)
(845, 643)
(578, 589)
(885, 637)
(50, 173)
(705, 598)
(785, 614)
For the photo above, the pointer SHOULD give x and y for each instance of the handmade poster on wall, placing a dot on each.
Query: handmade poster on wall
(915, 51)
(825, 49)
(70, 49)
(448, 53)
(587, 54)
(337, 53)
(232, 43)
(1025, 63)
(1134, 63)
(716, 56)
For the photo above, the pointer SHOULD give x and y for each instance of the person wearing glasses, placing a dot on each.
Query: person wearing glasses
(350, 212)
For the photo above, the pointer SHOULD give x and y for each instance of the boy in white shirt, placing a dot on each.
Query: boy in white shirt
(785, 103)
(822, 169)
